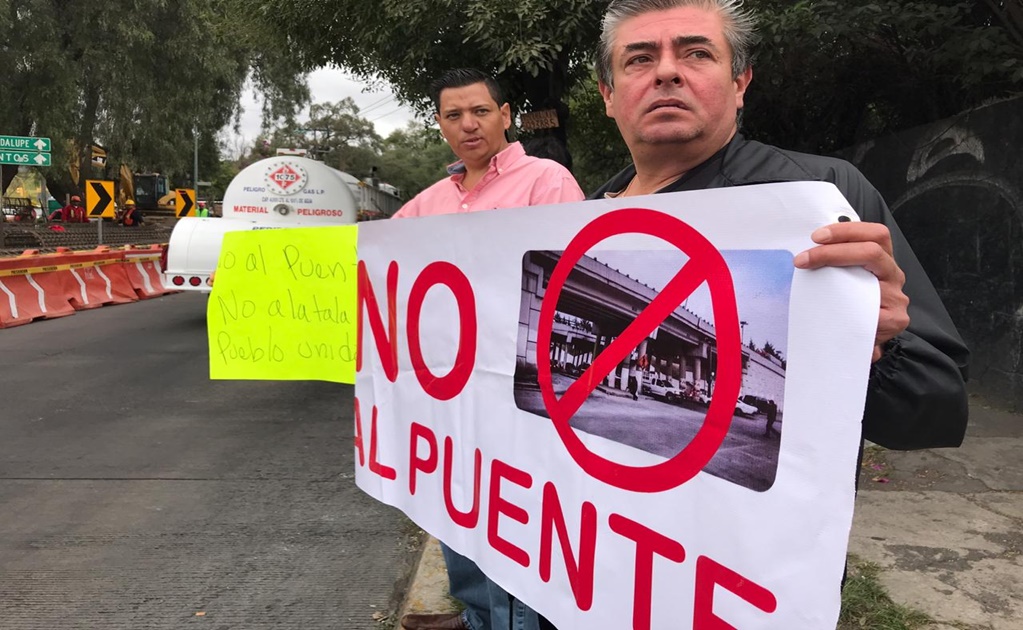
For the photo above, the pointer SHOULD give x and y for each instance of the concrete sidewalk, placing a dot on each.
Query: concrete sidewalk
(945, 526)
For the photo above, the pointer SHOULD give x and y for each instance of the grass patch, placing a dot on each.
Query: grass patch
(875, 466)
(865, 604)
(454, 605)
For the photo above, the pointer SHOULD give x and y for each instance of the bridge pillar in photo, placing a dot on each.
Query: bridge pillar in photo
(634, 370)
(529, 315)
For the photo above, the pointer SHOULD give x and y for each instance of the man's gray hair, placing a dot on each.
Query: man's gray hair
(740, 29)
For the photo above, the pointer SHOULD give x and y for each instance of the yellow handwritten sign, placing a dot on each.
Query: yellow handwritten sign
(283, 305)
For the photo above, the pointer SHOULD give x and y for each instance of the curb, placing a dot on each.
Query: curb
(428, 590)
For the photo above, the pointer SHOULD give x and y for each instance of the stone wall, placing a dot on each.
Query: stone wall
(956, 190)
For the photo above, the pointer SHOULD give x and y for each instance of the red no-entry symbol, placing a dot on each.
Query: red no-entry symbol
(705, 265)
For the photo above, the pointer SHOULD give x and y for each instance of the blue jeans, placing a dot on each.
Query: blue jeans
(487, 605)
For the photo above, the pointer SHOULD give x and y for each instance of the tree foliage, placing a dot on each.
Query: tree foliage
(414, 158)
(334, 133)
(140, 77)
(828, 74)
(536, 48)
(832, 73)
(598, 151)
(410, 159)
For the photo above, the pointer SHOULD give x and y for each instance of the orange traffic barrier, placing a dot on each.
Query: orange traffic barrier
(144, 273)
(99, 280)
(32, 291)
(36, 286)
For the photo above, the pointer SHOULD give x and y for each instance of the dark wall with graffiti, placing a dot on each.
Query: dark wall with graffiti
(955, 188)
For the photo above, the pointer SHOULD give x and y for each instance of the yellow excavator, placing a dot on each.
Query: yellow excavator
(151, 192)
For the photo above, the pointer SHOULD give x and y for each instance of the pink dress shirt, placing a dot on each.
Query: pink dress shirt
(513, 180)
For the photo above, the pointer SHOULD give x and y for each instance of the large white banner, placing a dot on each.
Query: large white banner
(630, 413)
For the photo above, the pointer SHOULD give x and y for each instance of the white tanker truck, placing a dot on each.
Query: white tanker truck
(278, 192)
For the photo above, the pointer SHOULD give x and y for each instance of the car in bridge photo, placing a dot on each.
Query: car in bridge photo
(745, 409)
(661, 388)
(762, 404)
(741, 408)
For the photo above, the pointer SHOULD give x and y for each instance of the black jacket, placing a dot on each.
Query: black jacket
(916, 396)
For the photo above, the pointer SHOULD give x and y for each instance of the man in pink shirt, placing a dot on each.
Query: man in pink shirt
(490, 173)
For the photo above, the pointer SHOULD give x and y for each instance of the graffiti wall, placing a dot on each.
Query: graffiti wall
(956, 189)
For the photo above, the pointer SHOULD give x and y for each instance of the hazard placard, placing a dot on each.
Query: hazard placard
(99, 198)
(185, 203)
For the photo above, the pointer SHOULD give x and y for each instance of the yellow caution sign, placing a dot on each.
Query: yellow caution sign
(185, 202)
(99, 198)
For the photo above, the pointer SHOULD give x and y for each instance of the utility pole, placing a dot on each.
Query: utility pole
(195, 167)
(3, 215)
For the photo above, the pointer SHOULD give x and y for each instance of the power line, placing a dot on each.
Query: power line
(384, 101)
(393, 111)
(376, 103)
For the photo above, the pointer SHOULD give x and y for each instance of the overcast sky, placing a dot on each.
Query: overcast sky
(330, 85)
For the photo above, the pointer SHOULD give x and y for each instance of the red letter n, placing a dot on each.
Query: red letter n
(580, 575)
(387, 344)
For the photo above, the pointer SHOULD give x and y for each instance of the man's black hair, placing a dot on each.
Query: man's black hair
(462, 77)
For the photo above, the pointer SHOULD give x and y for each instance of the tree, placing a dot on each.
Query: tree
(414, 158)
(833, 73)
(334, 133)
(598, 151)
(830, 73)
(141, 77)
(538, 49)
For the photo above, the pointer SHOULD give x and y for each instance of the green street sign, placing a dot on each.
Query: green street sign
(24, 143)
(24, 158)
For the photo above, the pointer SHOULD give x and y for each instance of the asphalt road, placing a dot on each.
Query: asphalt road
(136, 493)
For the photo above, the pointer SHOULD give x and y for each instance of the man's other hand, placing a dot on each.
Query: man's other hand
(867, 245)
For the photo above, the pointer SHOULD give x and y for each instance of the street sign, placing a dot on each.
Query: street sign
(25, 143)
(185, 202)
(99, 198)
(24, 158)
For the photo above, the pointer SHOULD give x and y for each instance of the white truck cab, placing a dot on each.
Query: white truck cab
(278, 192)
(661, 387)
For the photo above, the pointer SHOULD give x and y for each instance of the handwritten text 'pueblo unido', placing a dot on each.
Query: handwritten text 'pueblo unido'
(425, 457)
(289, 306)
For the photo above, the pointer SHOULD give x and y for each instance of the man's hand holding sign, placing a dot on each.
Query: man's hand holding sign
(867, 245)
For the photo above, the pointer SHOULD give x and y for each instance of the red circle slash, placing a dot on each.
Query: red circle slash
(705, 264)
